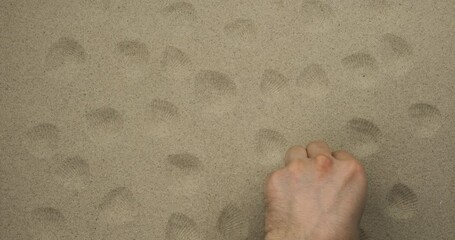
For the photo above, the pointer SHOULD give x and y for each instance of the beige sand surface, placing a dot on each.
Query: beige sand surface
(160, 119)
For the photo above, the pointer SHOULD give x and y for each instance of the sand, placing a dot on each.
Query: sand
(161, 119)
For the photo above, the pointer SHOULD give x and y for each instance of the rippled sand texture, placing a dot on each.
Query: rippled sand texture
(161, 119)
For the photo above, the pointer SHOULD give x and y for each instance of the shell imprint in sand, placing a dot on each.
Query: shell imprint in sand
(42, 140)
(313, 81)
(181, 227)
(232, 224)
(361, 69)
(215, 91)
(118, 207)
(397, 46)
(175, 62)
(402, 202)
(241, 29)
(396, 54)
(316, 16)
(104, 124)
(46, 216)
(133, 57)
(362, 137)
(179, 13)
(185, 175)
(184, 161)
(65, 51)
(274, 86)
(47, 223)
(425, 119)
(271, 146)
(161, 118)
(133, 51)
(72, 173)
(180, 19)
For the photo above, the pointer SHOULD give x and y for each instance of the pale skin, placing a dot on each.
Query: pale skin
(317, 195)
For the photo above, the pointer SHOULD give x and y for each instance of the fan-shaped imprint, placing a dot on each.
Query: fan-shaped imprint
(47, 223)
(118, 207)
(181, 227)
(361, 69)
(215, 91)
(133, 51)
(425, 119)
(179, 13)
(174, 58)
(104, 123)
(402, 202)
(133, 57)
(241, 29)
(72, 173)
(362, 137)
(270, 144)
(397, 45)
(396, 53)
(161, 118)
(232, 223)
(316, 16)
(184, 161)
(273, 85)
(185, 174)
(175, 62)
(65, 51)
(42, 140)
(44, 216)
(313, 81)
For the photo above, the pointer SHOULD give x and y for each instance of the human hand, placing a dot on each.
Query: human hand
(318, 195)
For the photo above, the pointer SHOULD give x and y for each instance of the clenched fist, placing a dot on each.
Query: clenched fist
(318, 195)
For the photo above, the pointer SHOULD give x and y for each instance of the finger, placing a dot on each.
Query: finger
(342, 155)
(317, 148)
(295, 153)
